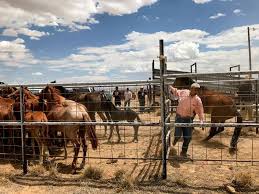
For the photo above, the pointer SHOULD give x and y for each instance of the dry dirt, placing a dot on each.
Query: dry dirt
(183, 176)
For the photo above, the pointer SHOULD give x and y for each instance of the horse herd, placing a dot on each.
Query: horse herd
(54, 103)
(50, 105)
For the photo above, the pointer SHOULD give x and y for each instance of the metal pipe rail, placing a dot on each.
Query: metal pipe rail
(80, 123)
(209, 74)
(212, 124)
(138, 82)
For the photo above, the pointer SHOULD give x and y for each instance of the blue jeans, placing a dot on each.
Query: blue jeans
(185, 131)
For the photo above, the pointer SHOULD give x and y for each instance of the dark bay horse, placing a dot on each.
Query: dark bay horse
(117, 115)
(220, 106)
(61, 109)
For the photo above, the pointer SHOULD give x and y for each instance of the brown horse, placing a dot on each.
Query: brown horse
(91, 100)
(32, 113)
(6, 114)
(5, 91)
(61, 109)
(38, 133)
(220, 106)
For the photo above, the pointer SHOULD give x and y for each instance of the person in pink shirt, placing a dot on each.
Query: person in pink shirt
(189, 105)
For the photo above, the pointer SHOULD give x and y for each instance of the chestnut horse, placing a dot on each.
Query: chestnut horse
(61, 109)
(6, 114)
(33, 113)
(220, 106)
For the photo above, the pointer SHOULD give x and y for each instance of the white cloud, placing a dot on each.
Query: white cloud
(33, 34)
(201, 1)
(218, 15)
(15, 54)
(19, 17)
(233, 37)
(183, 51)
(115, 7)
(238, 12)
(134, 56)
(37, 73)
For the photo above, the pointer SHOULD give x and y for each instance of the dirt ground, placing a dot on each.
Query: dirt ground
(139, 162)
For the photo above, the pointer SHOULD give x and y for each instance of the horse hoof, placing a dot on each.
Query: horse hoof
(73, 171)
(205, 139)
(232, 150)
(135, 140)
(82, 165)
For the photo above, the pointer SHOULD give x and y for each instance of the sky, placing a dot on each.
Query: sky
(116, 40)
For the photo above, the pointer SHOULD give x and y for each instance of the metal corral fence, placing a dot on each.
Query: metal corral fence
(155, 127)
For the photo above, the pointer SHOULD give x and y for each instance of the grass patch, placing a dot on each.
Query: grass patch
(125, 181)
(92, 173)
(37, 170)
(181, 182)
(53, 170)
(243, 180)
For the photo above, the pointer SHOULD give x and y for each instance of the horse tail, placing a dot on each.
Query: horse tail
(91, 133)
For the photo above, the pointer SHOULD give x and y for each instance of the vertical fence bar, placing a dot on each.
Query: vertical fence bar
(162, 100)
(256, 104)
(23, 133)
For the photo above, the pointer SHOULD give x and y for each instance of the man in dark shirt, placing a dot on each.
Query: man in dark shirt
(246, 95)
(141, 98)
(117, 96)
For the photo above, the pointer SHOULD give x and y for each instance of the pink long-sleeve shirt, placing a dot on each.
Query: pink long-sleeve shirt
(188, 104)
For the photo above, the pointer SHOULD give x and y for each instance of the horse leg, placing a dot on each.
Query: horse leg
(65, 146)
(76, 144)
(111, 132)
(108, 116)
(104, 120)
(236, 134)
(135, 134)
(213, 132)
(82, 136)
(92, 117)
(118, 133)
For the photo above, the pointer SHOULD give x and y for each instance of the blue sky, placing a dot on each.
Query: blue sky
(103, 40)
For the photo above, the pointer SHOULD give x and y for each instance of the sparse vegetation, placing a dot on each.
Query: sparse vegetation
(125, 181)
(119, 174)
(53, 171)
(37, 170)
(181, 182)
(243, 179)
(93, 173)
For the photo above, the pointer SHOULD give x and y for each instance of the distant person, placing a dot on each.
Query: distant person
(246, 93)
(128, 97)
(117, 96)
(141, 98)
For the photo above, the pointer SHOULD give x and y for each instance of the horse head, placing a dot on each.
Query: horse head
(4, 92)
(51, 94)
(183, 82)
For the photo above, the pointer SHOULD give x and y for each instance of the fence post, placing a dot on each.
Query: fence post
(23, 133)
(256, 103)
(162, 100)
